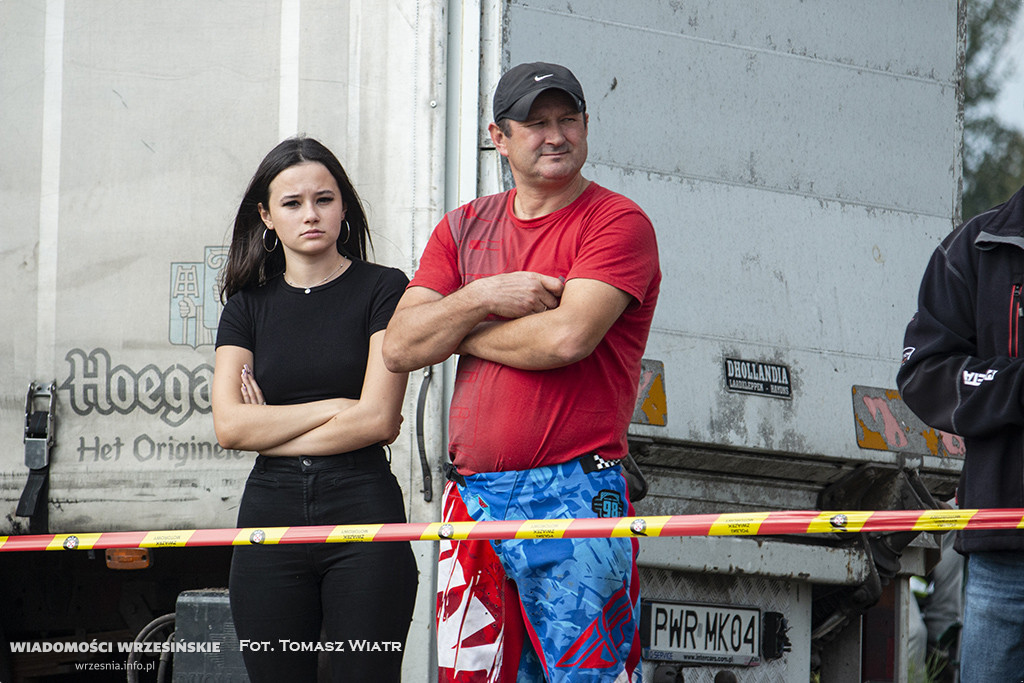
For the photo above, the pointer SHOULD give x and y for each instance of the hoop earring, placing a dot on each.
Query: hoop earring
(276, 240)
(348, 232)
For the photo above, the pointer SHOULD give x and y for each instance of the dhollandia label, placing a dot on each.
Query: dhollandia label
(755, 377)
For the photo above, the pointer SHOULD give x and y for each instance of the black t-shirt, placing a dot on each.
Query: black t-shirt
(308, 347)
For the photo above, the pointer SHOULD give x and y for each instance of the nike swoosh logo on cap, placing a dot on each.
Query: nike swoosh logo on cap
(541, 78)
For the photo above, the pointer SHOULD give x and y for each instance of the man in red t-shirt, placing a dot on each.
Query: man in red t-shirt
(546, 292)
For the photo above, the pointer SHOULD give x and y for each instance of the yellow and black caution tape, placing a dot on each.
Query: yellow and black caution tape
(730, 524)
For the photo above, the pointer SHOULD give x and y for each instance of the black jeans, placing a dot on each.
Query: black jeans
(360, 594)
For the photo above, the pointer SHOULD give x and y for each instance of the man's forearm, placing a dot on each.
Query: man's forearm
(429, 332)
(553, 338)
(428, 327)
(535, 342)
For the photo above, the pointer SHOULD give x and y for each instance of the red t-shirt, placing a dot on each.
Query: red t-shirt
(503, 418)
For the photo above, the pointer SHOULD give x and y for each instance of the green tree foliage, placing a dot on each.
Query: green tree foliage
(993, 153)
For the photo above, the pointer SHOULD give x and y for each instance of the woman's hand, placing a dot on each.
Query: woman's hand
(241, 419)
(251, 392)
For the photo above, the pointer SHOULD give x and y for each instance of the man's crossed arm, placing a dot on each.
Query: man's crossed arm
(544, 323)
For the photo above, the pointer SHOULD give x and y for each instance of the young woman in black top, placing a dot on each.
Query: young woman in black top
(299, 378)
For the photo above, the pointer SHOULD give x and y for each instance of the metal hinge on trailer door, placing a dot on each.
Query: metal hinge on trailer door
(40, 423)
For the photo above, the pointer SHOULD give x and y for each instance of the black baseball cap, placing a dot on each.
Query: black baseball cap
(521, 84)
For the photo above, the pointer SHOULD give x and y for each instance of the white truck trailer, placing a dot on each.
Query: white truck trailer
(800, 160)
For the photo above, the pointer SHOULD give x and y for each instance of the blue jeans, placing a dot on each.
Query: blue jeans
(354, 592)
(992, 643)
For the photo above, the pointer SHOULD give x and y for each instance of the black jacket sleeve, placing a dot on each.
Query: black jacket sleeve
(946, 378)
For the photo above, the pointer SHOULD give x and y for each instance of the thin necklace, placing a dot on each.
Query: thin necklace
(306, 289)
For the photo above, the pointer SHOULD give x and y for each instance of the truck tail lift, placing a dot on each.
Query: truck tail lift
(868, 487)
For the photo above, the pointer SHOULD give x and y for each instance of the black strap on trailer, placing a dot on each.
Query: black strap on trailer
(421, 406)
(40, 422)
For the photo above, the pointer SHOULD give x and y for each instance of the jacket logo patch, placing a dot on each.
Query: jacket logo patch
(974, 379)
(908, 352)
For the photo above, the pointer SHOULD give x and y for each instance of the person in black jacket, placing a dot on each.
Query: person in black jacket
(962, 372)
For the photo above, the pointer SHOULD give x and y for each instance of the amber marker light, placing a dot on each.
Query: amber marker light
(128, 558)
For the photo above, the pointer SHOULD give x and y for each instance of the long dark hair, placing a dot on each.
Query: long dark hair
(249, 263)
